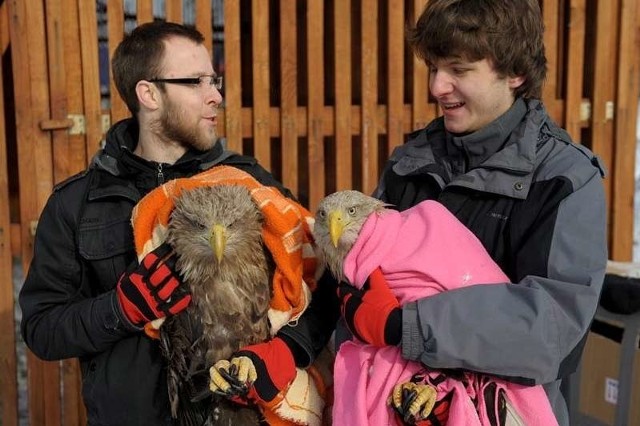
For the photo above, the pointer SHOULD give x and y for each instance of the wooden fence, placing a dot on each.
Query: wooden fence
(320, 91)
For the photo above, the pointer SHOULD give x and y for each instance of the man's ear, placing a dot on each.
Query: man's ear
(517, 81)
(148, 95)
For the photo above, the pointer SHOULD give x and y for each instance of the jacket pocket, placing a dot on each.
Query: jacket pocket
(107, 248)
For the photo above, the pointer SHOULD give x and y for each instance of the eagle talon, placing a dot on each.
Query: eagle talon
(413, 401)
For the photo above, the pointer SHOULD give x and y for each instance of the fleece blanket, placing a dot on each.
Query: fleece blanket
(287, 235)
(421, 251)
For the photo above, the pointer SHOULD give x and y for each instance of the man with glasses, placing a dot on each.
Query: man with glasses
(86, 295)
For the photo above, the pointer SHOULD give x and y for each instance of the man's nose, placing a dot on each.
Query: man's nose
(213, 96)
(440, 84)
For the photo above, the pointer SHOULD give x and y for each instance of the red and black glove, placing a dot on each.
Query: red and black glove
(259, 373)
(372, 314)
(152, 289)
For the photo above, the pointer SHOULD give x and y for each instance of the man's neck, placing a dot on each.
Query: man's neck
(151, 147)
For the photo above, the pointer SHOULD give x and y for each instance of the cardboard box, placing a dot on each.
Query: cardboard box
(599, 377)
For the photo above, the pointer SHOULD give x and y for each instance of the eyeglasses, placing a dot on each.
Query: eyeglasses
(202, 81)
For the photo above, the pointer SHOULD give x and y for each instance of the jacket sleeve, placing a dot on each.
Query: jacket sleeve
(523, 332)
(62, 317)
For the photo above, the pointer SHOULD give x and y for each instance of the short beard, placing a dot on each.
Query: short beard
(172, 126)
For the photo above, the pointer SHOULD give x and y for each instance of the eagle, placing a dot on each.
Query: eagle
(215, 232)
(338, 221)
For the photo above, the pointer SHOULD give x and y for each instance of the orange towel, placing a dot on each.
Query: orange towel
(286, 233)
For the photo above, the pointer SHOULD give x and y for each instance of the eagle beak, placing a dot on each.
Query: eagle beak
(336, 227)
(218, 240)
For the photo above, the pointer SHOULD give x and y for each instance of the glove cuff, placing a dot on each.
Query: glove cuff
(275, 369)
(393, 327)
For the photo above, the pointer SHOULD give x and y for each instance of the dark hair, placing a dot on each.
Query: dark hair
(139, 56)
(509, 33)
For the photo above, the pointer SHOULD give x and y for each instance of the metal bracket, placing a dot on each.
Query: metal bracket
(78, 127)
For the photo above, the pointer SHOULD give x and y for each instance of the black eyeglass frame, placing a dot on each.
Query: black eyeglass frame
(215, 80)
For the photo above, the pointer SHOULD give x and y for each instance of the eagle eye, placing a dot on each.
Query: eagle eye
(352, 211)
(321, 214)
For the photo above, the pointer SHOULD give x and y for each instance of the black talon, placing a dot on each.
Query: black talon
(408, 396)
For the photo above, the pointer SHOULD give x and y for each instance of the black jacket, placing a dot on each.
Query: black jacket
(83, 243)
(536, 202)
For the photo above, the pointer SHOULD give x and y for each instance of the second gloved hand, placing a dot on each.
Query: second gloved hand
(152, 289)
(372, 314)
(258, 373)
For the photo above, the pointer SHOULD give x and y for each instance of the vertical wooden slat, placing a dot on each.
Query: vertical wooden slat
(88, 27)
(204, 22)
(115, 25)
(174, 10)
(575, 68)
(8, 382)
(289, 94)
(550, 17)
(603, 84)
(343, 93)
(315, 108)
(421, 111)
(57, 88)
(369, 20)
(233, 84)
(395, 75)
(261, 103)
(625, 134)
(73, 83)
(144, 10)
(26, 29)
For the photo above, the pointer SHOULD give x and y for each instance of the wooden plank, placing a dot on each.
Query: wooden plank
(422, 111)
(369, 87)
(289, 94)
(204, 22)
(174, 11)
(575, 68)
(57, 87)
(603, 85)
(232, 85)
(551, 31)
(343, 93)
(26, 30)
(8, 382)
(626, 111)
(395, 75)
(115, 30)
(88, 27)
(4, 28)
(144, 10)
(315, 98)
(261, 101)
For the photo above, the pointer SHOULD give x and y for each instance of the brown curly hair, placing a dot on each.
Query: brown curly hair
(509, 33)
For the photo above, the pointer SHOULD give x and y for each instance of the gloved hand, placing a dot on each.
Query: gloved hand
(259, 373)
(152, 289)
(372, 314)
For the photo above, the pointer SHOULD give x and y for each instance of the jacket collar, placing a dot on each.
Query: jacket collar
(118, 158)
(499, 158)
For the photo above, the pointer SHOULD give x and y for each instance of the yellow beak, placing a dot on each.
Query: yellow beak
(218, 240)
(336, 226)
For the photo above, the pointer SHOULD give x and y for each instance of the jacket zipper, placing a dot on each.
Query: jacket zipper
(160, 174)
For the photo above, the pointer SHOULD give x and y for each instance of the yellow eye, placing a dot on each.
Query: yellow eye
(352, 211)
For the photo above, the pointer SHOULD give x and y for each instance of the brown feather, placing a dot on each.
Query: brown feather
(230, 298)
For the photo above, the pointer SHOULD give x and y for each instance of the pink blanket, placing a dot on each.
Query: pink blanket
(421, 251)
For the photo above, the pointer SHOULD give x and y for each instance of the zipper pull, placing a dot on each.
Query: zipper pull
(160, 174)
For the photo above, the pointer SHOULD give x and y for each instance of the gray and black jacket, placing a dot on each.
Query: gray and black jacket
(536, 201)
(83, 243)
